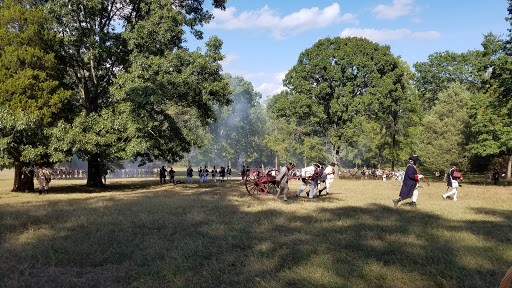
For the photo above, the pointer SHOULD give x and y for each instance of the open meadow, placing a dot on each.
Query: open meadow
(137, 233)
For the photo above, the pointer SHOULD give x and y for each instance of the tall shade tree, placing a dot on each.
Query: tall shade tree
(339, 81)
(443, 69)
(491, 112)
(32, 99)
(142, 92)
(443, 135)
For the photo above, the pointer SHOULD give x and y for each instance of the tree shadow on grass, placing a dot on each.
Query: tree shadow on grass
(211, 237)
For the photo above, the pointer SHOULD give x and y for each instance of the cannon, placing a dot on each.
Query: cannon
(258, 182)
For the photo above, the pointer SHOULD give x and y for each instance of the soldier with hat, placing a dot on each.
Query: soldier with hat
(410, 184)
(452, 181)
(282, 180)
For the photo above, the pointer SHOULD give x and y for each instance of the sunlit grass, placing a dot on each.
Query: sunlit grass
(137, 233)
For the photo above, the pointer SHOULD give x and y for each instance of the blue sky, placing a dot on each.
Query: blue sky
(263, 39)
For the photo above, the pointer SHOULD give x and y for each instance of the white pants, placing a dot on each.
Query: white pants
(312, 186)
(189, 179)
(328, 183)
(214, 178)
(453, 192)
(415, 195)
(228, 177)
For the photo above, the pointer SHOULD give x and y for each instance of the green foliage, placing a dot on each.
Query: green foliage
(443, 69)
(283, 138)
(491, 111)
(442, 138)
(339, 83)
(143, 94)
(32, 99)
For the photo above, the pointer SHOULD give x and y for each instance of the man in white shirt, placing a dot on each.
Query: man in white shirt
(310, 175)
(329, 173)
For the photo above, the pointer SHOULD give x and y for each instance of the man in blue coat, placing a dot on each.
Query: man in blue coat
(410, 183)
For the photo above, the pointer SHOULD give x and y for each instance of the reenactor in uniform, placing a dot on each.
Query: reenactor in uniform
(452, 181)
(214, 174)
(172, 173)
(282, 180)
(201, 174)
(410, 185)
(310, 177)
(44, 177)
(242, 172)
(190, 174)
(206, 171)
(329, 178)
(228, 173)
(163, 174)
(222, 174)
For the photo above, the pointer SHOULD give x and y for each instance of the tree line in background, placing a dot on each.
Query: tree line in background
(113, 80)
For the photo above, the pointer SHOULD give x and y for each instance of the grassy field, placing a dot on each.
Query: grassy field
(141, 234)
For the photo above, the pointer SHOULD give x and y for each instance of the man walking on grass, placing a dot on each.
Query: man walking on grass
(282, 180)
(410, 184)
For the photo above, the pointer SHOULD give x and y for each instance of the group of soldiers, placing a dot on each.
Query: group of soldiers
(163, 175)
(311, 176)
(203, 173)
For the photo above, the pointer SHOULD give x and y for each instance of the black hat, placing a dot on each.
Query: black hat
(332, 164)
(415, 159)
(454, 164)
(321, 163)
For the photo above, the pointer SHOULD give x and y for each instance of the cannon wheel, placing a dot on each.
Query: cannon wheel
(256, 182)
(272, 188)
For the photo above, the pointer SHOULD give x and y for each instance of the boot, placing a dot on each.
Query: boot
(40, 191)
(396, 201)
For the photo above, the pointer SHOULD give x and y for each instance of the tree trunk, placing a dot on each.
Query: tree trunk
(509, 168)
(337, 156)
(94, 173)
(18, 181)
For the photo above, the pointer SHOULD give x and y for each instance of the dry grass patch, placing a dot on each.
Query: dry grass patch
(137, 233)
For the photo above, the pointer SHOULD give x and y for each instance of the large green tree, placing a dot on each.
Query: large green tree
(32, 99)
(443, 69)
(142, 93)
(341, 82)
(491, 111)
(443, 135)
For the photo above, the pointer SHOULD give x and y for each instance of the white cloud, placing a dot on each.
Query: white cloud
(427, 35)
(399, 8)
(376, 35)
(389, 35)
(272, 83)
(228, 60)
(266, 18)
